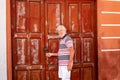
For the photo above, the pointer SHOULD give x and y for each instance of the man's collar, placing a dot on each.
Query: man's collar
(64, 36)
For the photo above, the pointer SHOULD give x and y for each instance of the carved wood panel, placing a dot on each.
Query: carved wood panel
(34, 33)
(54, 15)
(28, 41)
(79, 22)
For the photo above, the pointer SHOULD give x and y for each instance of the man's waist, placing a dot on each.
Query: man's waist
(64, 57)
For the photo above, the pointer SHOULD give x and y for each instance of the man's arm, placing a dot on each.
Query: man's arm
(51, 54)
(70, 64)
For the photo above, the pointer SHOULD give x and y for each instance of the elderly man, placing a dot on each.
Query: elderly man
(65, 53)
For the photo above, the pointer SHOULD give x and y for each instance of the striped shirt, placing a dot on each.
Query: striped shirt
(64, 53)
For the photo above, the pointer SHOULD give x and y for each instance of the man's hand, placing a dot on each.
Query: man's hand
(70, 65)
(49, 54)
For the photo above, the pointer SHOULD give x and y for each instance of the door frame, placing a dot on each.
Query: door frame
(8, 40)
(8, 37)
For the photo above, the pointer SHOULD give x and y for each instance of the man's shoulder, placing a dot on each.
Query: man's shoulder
(67, 38)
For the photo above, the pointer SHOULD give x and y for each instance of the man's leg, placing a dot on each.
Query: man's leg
(64, 73)
(65, 79)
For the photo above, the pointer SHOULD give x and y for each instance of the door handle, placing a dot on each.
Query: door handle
(46, 49)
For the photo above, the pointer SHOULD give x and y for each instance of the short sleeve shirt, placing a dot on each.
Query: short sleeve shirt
(64, 53)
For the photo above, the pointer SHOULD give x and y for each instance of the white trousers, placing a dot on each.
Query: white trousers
(65, 79)
(63, 73)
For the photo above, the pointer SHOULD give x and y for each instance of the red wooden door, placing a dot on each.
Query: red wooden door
(80, 24)
(33, 34)
(27, 41)
(54, 15)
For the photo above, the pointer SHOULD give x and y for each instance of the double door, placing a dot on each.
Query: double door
(33, 27)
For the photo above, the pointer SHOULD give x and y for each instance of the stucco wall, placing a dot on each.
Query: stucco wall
(108, 18)
(3, 63)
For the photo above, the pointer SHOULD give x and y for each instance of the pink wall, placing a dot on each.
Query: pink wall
(108, 39)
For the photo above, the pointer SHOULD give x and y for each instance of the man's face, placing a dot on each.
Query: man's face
(61, 33)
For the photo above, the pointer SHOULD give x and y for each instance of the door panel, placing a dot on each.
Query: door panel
(88, 40)
(34, 34)
(87, 74)
(28, 43)
(22, 75)
(21, 16)
(54, 15)
(73, 17)
(35, 75)
(76, 74)
(79, 22)
(87, 16)
(88, 50)
(73, 23)
(35, 12)
(21, 51)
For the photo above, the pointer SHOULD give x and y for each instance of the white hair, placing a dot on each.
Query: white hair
(60, 27)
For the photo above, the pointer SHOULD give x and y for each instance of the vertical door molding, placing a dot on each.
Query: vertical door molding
(8, 26)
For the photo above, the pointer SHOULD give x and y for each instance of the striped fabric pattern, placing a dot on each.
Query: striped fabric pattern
(64, 52)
